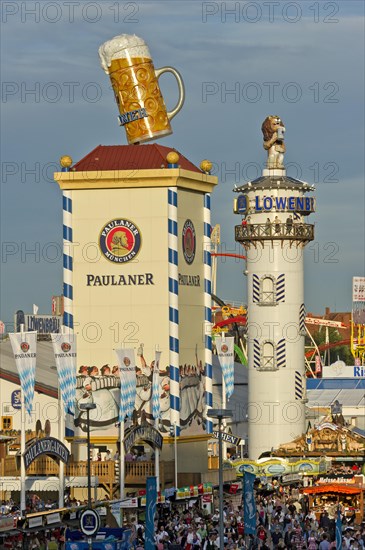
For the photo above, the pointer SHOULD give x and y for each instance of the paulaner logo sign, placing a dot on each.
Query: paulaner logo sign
(188, 241)
(46, 446)
(120, 240)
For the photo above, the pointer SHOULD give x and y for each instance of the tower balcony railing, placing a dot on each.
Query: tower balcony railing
(301, 232)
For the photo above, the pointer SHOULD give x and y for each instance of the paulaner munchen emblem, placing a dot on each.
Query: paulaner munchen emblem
(120, 240)
(188, 241)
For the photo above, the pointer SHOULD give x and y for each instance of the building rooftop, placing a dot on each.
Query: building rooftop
(46, 378)
(270, 182)
(130, 157)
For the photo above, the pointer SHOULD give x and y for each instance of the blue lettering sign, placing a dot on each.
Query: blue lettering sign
(43, 324)
(359, 372)
(291, 203)
(267, 203)
(280, 203)
(258, 208)
(300, 204)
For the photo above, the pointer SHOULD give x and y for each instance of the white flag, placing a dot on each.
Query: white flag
(225, 352)
(64, 348)
(24, 346)
(35, 309)
(127, 371)
(156, 409)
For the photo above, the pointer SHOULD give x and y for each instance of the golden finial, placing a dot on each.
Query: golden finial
(66, 161)
(206, 166)
(172, 157)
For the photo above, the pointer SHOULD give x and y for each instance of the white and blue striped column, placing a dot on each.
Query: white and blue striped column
(208, 310)
(173, 272)
(68, 319)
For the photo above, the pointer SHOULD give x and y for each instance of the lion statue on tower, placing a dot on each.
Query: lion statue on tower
(273, 130)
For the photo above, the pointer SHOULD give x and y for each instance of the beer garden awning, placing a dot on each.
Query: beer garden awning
(332, 488)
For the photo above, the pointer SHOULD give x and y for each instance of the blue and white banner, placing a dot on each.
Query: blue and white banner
(127, 370)
(156, 410)
(24, 345)
(338, 530)
(64, 349)
(249, 504)
(225, 352)
(151, 499)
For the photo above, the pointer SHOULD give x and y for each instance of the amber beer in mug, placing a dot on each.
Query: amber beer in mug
(127, 60)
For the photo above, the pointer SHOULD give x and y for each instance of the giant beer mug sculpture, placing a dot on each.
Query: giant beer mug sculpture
(127, 60)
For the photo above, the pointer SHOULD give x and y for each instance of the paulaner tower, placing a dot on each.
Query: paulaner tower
(274, 232)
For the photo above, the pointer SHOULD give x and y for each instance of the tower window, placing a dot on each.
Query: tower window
(268, 356)
(267, 291)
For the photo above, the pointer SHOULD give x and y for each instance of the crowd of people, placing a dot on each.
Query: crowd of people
(284, 521)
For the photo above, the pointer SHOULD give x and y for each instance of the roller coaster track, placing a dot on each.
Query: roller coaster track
(324, 347)
(236, 320)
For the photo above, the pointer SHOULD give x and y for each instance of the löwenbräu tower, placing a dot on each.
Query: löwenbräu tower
(274, 233)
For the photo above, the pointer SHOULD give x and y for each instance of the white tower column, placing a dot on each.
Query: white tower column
(274, 233)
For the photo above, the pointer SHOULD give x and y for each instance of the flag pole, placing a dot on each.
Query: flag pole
(121, 459)
(224, 405)
(157, 422)
(61, 437)
(22, 447)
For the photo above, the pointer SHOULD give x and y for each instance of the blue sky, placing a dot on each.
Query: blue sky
(301, 60)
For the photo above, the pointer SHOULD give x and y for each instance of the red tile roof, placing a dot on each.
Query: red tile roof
(127, 157)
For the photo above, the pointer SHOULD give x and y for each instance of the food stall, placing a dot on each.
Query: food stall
(327, 497)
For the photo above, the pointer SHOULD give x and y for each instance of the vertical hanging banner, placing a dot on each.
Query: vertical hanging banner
(249, 504)
(156, 409)
(318, 368)
(338, 530)
(151, 498)
(225, 352)
(358, 300)
(24, 345)
(127, 371)
(64, 349)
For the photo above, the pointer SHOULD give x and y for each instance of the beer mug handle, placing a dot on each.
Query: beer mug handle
(180, 84)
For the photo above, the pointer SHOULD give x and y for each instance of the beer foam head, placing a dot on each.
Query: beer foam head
(119, 48)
